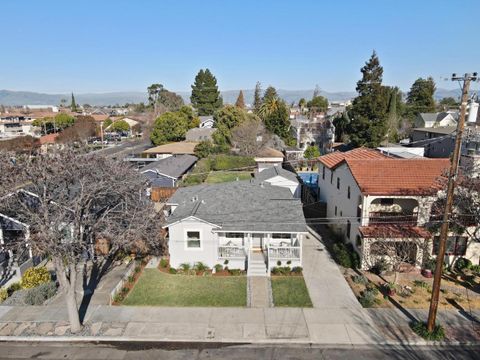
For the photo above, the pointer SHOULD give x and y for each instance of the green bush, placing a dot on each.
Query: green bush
(3, 295)
(14, 287)
(185, 267)
(475, 269)
(345, 255)
(279, 263)
(131, 279)
(297, 269)
(200, 266)
(420, 328)
(462, 264)
(225, 262)
(367, 298)
(430, 264)
(35, 276)
(360, 279)
(218, 267)
(199, 173)
(38, 295)
(163, 263)
(379, 267)
(235, 272)
(137, 269)
(172, 271)
(227, 162)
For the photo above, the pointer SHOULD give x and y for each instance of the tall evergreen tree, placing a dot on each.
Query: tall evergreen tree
(205, 96)
(269, 94)
(257, 97)
(240, 100)
(316, 92)
(369, 109)
(73, 105)
(420, 97)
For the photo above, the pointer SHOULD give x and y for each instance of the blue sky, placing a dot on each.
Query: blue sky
(98, 46)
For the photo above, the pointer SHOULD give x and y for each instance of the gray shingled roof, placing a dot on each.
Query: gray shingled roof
(249, 205)
(273, 171)
(199, 134)
(174, 166)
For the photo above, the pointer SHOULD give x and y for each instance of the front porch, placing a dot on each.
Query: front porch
(259, 252)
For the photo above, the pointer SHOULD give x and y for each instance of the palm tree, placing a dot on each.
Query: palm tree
(269, 106)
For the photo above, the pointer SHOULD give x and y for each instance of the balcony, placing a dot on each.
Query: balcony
(231, 252)
(378, 218)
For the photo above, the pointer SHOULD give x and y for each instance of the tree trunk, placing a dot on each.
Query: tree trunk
(68, 285)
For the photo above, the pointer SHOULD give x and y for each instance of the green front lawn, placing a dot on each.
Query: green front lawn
(290, 291)
(220, 176)
(155, 288)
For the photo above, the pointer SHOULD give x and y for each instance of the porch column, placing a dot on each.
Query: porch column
(27, 238)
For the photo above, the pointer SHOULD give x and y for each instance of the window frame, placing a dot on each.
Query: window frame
(456, 245)
(200, 236)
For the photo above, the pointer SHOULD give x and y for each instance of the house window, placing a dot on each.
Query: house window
(281, 236)
(234, 235)
(349, 228)
(358, 241)
(323, 172)
(331, 176)
(348, 192)
(193, 239)
(386, 202)
(338, 183)
(335, 211)
(456, 245)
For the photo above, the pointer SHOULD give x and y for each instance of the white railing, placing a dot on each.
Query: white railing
(228, 252)
(285, 252)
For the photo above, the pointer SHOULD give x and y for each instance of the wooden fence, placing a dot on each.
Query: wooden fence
(161, 194)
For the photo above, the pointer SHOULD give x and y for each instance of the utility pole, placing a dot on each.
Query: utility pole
(432, 314)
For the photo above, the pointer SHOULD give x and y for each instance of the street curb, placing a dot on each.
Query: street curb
(284, 341)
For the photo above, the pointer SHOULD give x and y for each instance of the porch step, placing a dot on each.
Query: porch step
(257, 268)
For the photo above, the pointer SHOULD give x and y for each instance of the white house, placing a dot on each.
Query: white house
(439, 119)
(372, 198)
(249, 225)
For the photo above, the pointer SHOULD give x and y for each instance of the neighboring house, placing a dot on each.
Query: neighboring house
(47, 141)
(249, 225)
(313, 132)
(386, 200)
(278, 176)
(199, 134)
(15, 260)
(439, 119)
(470, 157)
(166, 173)
(438, 142)
(402, 152)
(166, 150)
(268, 157)
(206, 122)
(15, 128)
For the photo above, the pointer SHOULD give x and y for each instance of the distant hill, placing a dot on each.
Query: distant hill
(16, 98)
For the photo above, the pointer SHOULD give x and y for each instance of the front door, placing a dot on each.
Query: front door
(257, 241)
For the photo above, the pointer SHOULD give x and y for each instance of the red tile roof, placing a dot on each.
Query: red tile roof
(399, 176)
(334, 159)
(394, 231)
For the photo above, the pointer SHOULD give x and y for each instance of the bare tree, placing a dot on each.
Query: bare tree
(73, 200)
(250, 136)
(83, 128)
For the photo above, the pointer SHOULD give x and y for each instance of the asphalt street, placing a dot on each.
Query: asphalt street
(178, 351)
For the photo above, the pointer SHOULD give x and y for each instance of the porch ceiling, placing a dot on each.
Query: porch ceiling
(394, 231)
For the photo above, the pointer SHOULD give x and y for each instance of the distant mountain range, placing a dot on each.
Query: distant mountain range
(16, 98)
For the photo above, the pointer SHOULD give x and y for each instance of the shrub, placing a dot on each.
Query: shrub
(279, 263)
(185, 267)
(131, 279)
(3, 295)
(13, 287)
(124, 290)
(218, 268)
(297, 269)
(420, 328)
(462, 264)
(372, 288)
(225, 262)
(172, 270)
(420, 284)
(360, 279)
(475, 269)
(200, 266)
(367, 299)
(34, 277)
(163, 263)
(38, 295)
(118, 298)
(430, 264)
(137, 269)
(345, 255)
(275, 271)
(235, 272)
(379, 267)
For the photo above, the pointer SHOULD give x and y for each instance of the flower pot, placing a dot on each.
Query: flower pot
(427, 273)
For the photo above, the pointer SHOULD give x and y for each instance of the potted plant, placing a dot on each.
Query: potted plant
(390, 289)
(428, 268)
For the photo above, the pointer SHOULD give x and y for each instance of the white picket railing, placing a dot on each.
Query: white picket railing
(229, 252)
(285, 252)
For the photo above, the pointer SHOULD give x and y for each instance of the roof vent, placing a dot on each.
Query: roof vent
(203, 201)
(195, 198)
(261, 184)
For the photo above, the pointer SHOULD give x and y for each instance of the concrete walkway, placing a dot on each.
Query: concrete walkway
(259, 291)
